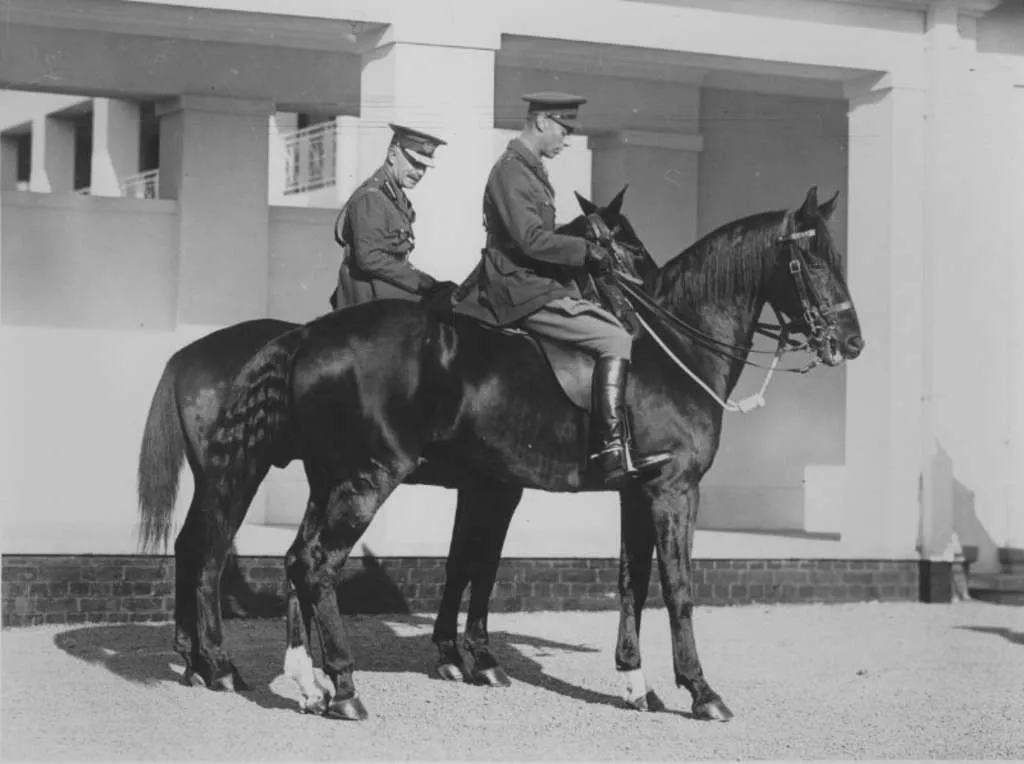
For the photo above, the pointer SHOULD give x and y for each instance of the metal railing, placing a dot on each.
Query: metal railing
(309, 158)
(145, 185)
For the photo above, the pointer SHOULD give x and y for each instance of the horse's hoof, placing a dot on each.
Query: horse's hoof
(224, 683)
(712, 710)
(192, 679)
(450, 672)
(318, 706)
(349, 709)
(649, 702)
(230, 682)
(492, 677)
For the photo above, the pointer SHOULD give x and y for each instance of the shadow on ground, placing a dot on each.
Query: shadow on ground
(1016, 637)
(392, 640)
(386, 643)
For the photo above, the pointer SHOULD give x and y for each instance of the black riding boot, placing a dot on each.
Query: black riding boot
(612, 459)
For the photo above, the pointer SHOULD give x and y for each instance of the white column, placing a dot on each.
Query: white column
(662, 172)
(346, 158)
(1011, 197)
(280, 125)
(884, 425)
(435, 72)
(8, 162)
(53, 155)
(115, 144)
(213, 160)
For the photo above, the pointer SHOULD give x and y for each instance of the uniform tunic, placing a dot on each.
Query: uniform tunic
(375, 229)
(527, 269)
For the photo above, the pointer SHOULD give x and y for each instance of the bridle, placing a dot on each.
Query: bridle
(817, 322)
(819, 319)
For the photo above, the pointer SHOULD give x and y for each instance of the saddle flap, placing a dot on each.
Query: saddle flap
(573, 368)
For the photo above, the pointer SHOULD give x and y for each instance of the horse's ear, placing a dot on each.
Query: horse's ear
(614, 208)
(586, 205)
(828, 207)
(810, 208)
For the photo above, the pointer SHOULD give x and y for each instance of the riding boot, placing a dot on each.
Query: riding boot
(612, 459)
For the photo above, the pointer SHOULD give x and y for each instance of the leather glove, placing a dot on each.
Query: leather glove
(438, 298)
(598, 259)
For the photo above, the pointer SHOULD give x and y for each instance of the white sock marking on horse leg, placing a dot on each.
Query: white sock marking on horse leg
(636, 685)
(299, 667)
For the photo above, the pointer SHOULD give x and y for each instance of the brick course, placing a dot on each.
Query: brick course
(111, 589)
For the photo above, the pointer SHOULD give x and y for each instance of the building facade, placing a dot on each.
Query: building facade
(157, 184)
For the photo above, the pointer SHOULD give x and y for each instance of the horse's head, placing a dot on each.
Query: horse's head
(808, 285)
(610, 224)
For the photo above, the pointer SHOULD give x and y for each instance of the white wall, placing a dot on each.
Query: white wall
(763, 153)
(303, 262)
(95, 262)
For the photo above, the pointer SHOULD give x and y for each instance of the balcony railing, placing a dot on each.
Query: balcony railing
(309, 158)
(145, 185)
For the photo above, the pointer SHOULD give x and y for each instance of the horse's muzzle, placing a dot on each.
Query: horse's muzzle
(853, 346)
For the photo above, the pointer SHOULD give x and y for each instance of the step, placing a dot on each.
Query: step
(1000, 588)
(1012, 559)
(1001, 581)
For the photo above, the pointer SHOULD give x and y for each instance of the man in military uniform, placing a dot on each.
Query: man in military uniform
(526, 276)
(375, 229)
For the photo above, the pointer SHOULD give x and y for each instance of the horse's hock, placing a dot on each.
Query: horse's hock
(94, 588)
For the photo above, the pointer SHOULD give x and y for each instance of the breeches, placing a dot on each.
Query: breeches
(581, 323)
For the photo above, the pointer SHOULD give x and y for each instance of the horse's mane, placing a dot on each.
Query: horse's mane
(729, 260)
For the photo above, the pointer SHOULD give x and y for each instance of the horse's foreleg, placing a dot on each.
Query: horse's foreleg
(674, 520)
(491, 507)
(450, 665)
(637, 534)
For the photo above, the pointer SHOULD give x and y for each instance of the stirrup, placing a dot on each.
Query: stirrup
(612, 473)
(643, 463)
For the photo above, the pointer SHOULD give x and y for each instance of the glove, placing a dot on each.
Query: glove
(598, 259)
(438, 298)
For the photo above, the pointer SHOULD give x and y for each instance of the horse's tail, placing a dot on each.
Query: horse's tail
(160, 457)
(254, 427)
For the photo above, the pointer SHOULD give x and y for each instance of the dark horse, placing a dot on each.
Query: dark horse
(363, 395)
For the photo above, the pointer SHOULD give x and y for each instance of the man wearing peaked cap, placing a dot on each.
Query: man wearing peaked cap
(374, 228)
(527, 274)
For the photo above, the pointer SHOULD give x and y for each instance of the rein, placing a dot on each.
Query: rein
(814, 320)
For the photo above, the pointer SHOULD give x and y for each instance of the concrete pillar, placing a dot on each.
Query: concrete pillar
(53, 155)
(213, 160)
(346, 158)
(943, 179)
(662, 172)
(8, 163)
(115, 144)
(434, 71)
(1011, 198)
(884, 424)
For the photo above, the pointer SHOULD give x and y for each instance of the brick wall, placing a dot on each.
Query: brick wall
(94, 588)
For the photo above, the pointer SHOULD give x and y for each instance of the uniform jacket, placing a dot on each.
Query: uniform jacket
(375, 230)
(525, 263)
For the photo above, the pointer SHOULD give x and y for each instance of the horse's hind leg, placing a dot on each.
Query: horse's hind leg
(476, 551)
(298, 662)
(316, 563)
(188, 564)
(211, 525)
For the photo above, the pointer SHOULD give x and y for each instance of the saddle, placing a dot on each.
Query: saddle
(574, 368)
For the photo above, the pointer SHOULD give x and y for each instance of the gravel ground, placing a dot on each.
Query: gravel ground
(877, 681)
